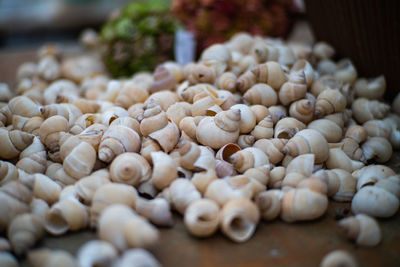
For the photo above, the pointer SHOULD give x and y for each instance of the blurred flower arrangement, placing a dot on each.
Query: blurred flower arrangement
(141, 35)
(138, 37)
(215, 21)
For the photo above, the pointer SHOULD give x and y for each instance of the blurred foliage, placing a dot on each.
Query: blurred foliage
(138, 37)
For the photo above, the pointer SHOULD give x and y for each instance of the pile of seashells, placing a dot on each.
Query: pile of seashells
(256, 129)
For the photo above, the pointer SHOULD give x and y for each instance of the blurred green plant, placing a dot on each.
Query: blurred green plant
(138, 37)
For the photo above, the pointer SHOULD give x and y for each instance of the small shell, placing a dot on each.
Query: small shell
(277, 175)
(308, 141)
(219, 130)
(180, 194)
(330, 130)
(24, 231)
(8, 172)
(277, 113)
(130, 168)
(270, 73)
(201, 180)
(262, 94)
(372, 89)
(13, 142)
(202, 217)
(163, 80)
(338, 258)
(338, 159)
(164, 170)
(130, 94)
(23, 106)
(116, 140)
(68, 111)
(119, 225)
(30, 125)
(371, 174)
(260, 112)
(246, 81)
(307, 68)
(264, 129)
(377, 148)
(364, 230)
(329, 101)
(247, 118)
(345, 71)
(247, 158)
(200, 73)
(378, 128)
(227, 81)
(178, 111)
(156, 211)
(341, 184)
(365, 110)
(245, 140)
(238, 219)
(303, 110)
(288, 127)
(33, 158)
(302, 164)
(272, 148)
(96, 253)
(323, 50)
(149, 146)
(135, 258)
(80, 161)
(68, 214)
(294, 89)
(108, 194)
(48, 258)
(87, 186)
(375, 201)
(61, 91)
(269, 204)
(303, 204)
(261, 173)
(46, 189)
(357, 133)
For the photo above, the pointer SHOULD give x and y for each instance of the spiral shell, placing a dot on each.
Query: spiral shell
(308, 141)
(227, 81)
(219, 130)
(108, 194)
(68, 111)
(13, 142)
(130, 94)
(238, 219)
(288, 127)
(29, 125)
(341, 184)
(23, 106)
(33, 158)
(270, 73)
(116, 140)
(269, 204)
(329, 101)
(303, 110)
(261, 93)
(365, 110)
(363, 229)
(330, 130)
(163, 80)
(61, 91)
(272, 148)
(345, 71)
(377, 148)
(67, 214)
(47, 258)
(122, 227)
(247, 158)
(96, 252)
(294, 89)
(245, 81)
(156, 210)
(130, 168)
(180, 194)
(372, 89)
(338, 258)
(24, 231)
(8, 172)
(164, 170)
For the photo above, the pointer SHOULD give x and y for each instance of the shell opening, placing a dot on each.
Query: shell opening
(240, 228)
(56, 224)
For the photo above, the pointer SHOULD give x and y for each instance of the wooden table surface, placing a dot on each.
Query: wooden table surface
(274, 243)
